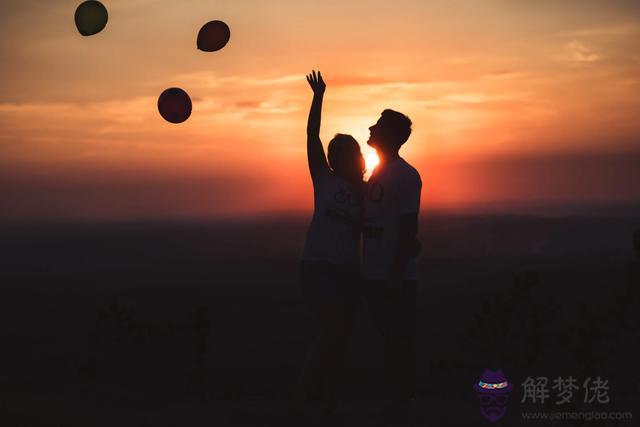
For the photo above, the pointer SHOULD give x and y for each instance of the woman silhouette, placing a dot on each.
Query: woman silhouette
(331, 259)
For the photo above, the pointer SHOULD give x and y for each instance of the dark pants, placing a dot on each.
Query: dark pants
(332, 292)
(394, 316)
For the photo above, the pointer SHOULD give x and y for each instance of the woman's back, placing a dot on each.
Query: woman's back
(334, 232)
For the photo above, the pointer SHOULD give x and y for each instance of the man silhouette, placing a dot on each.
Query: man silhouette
(389, 263)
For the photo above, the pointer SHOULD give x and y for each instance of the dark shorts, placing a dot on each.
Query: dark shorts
(326, 286)
(395, 314)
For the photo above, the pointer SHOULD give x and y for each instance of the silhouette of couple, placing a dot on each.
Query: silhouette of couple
(381, 217)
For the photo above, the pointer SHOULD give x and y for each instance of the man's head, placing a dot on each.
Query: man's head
(390, 131)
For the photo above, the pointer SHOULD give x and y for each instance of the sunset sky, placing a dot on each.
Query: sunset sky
(512, 102)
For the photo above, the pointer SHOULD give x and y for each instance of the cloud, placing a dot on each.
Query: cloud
(621, 30)
(578, 52)
(481, 98)
(208, 80)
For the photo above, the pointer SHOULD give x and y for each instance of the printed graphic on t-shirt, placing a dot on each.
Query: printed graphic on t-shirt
(371, 231)
(344, 196)
(340, 215)
(376, 192)
(344, 209)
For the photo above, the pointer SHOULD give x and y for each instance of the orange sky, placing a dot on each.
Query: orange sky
(511, 101)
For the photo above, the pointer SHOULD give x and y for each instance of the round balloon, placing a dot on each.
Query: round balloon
(174, 105)
(213, 36)
(91, 17)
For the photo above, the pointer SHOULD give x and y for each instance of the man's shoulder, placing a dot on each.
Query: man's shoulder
(408, 171)
(398, 171)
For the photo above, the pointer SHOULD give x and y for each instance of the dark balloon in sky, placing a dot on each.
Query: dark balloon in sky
(213, 36)
(91, 17)
(174, 105)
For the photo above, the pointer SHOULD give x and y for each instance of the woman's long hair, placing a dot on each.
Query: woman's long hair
(346, 160)
(345, 157)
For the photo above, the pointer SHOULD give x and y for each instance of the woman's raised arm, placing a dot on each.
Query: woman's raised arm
(315, 151)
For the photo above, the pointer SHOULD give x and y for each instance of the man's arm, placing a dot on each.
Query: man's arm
(315, 151)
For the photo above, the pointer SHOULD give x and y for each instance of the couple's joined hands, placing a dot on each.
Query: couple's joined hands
(316, 82)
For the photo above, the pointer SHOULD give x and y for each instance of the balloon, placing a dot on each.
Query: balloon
(174, 105)
(91, 17)
(213, 36)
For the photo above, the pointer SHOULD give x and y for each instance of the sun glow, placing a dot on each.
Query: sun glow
(371, 160)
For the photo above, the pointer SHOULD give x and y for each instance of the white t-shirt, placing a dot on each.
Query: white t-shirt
(333, 235)
(393, 190)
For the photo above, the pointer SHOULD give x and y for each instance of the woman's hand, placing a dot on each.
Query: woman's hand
(317, 84)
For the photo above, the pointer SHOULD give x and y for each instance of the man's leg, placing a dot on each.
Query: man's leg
(400, 344)
(395, 318)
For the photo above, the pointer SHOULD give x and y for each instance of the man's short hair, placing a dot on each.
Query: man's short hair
(396, 125)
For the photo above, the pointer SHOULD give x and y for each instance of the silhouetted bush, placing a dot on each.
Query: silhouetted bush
(509, 330)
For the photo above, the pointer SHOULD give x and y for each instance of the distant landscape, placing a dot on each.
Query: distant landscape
(201, 322)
